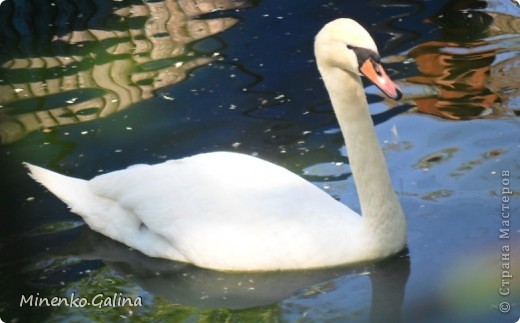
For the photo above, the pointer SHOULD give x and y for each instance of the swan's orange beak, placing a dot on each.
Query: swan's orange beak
(374, 72)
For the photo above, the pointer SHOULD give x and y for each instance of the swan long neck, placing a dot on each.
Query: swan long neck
(380, 208)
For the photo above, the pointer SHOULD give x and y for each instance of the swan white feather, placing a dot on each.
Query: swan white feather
(230, 211)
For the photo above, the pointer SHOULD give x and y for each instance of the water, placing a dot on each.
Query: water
(113, 87)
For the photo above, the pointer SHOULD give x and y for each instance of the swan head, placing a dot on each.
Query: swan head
(346, 45)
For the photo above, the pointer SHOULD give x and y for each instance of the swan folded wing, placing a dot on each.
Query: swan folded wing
(220, 208)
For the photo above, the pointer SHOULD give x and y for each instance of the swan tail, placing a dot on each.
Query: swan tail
(73, 191)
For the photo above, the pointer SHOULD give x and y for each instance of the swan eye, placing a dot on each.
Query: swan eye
(363, 54)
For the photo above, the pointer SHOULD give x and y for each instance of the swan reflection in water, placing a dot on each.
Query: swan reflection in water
(184, 284)
(98, 64)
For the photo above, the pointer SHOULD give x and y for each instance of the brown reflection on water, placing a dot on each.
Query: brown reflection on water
(460, 79)
(95, 62)
(466, 66)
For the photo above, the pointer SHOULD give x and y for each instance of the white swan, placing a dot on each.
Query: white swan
(233, 212)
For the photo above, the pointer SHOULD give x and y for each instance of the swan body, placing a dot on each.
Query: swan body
(234, 212)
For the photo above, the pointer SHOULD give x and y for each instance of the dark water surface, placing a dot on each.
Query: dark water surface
(88, 87)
